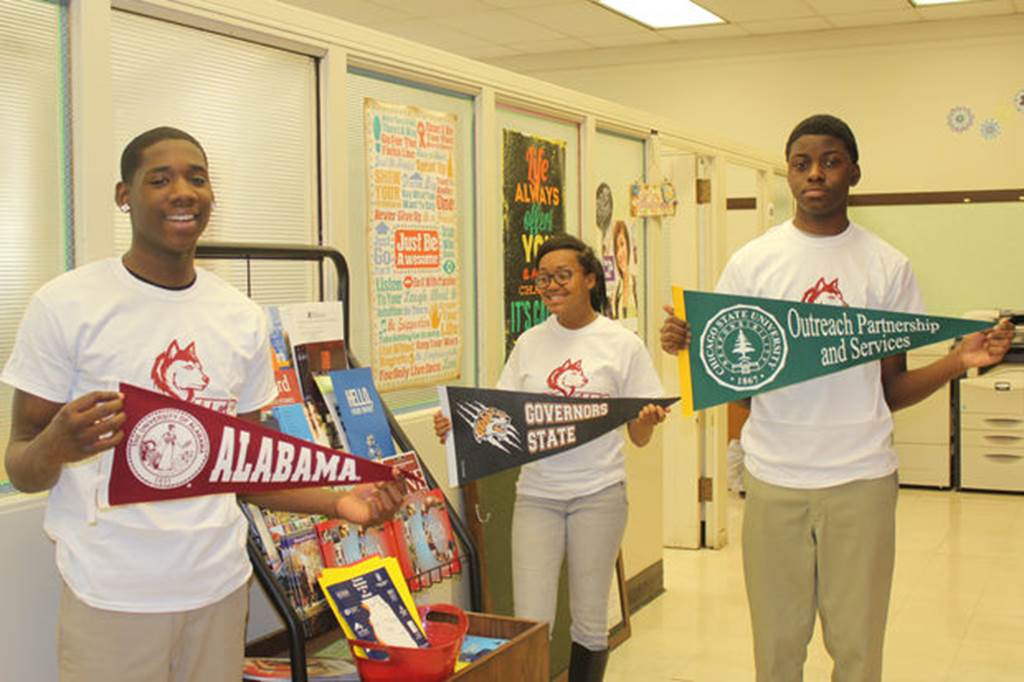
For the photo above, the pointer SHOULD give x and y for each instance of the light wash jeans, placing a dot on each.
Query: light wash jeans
(588, 530)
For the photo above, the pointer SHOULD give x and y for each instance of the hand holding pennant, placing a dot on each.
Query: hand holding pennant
(174, 449)
(741, 346)
(493, 430)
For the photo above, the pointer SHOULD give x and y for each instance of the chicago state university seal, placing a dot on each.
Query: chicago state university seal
(743, 347)
(167, 448)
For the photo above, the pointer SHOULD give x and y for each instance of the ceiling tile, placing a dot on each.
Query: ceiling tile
(900, 16)
(489, 52)
(501, 27)
(967, 9)
(508, 4)
(580, 18)
(434, 8)
(830, 7)
(433, 34)
(622, 39)
(703, 32)
(739, 11)
(786, 25)
(360, 12)
(560, 45)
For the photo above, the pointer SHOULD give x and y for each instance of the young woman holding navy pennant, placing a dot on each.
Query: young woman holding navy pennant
(574, 505)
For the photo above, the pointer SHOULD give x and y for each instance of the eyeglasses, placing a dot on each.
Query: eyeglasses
(543, 281)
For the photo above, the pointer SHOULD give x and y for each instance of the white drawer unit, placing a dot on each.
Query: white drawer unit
(999, 392)
(992, 430)
(921, 431)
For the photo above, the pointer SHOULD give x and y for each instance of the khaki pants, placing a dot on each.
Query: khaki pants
(828, 551)
(204, 645)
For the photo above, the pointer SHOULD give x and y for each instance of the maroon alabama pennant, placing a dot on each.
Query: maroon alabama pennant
(174, 449)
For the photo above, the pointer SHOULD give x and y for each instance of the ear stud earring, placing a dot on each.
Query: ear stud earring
(125, 208)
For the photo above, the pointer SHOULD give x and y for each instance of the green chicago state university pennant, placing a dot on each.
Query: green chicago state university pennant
(741, 346)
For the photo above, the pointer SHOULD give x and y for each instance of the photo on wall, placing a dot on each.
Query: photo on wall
(615, 241)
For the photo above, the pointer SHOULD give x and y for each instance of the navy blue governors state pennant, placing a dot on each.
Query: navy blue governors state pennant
(741, 346)
(494, 430)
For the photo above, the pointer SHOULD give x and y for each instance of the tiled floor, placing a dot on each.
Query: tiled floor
(957, 611)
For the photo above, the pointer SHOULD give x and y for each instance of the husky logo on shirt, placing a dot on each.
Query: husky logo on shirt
(168, 448)
(490, 425)
(827, 293)
(178, 373)
(743, 347)
(567, 377)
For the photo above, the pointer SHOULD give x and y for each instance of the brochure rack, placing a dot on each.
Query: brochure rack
(295, 631)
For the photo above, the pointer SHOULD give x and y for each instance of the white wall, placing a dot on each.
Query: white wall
(893, 84)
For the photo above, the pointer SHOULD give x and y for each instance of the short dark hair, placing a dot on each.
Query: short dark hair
(585, 257)
(825, 124)
(131, 157)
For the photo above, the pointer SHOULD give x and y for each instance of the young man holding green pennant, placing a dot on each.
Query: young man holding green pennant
(819, 520)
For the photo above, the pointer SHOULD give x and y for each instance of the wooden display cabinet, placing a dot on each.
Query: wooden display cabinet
(523, 659)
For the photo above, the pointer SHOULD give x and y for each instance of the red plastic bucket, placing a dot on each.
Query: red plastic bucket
(446, 625)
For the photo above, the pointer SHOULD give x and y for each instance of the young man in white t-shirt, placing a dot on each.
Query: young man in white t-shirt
(156, 591)
(819, 519)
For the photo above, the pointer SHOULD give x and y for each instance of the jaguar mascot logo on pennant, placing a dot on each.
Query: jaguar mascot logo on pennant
(743, 347)
(490, 425)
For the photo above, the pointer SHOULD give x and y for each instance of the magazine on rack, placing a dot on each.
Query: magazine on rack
(409, 464)
(343, 543)
(326, 388)
(303, 563)
(427, 550)
(289, 413)
(362, 413)
(281, 360)
(316, 338)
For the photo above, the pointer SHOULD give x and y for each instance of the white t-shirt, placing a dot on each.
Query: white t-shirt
(836, 428)
(94, 327)
(602, 359)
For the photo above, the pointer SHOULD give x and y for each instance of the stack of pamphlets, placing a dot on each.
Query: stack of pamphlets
(306, 340)
(372, 603)
(474, 647)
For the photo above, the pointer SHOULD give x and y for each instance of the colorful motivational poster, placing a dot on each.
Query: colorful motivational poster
(412, 212)
(533, 172)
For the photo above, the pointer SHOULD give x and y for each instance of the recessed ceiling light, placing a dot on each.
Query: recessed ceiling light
(663, 13)
(919, 3)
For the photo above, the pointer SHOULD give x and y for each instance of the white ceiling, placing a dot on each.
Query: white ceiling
(499, 29)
